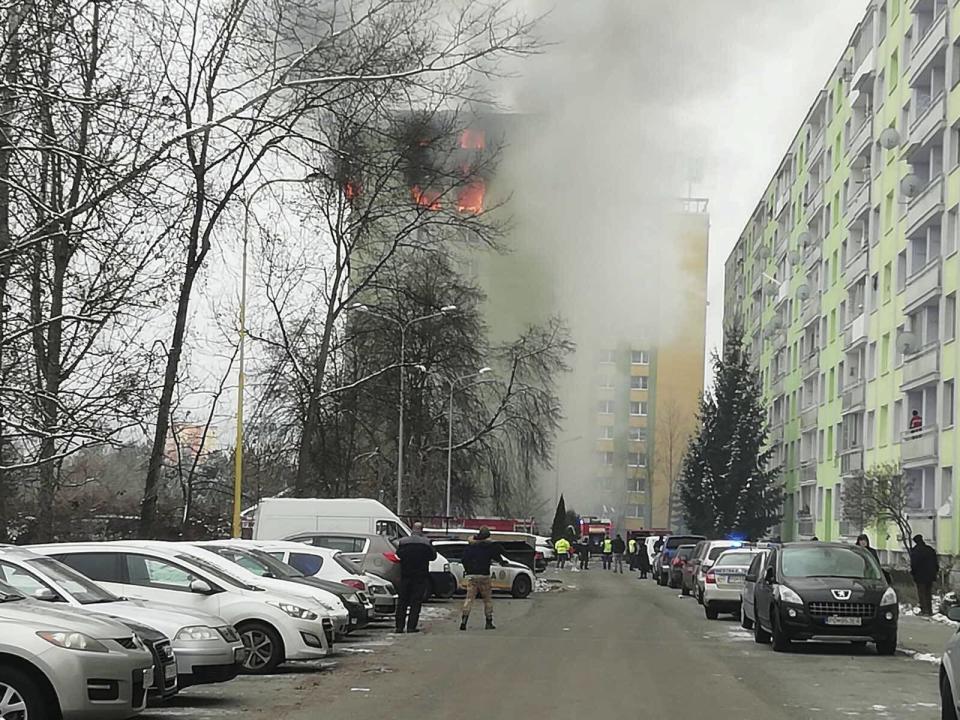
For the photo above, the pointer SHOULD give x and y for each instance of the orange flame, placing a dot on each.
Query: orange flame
(429, 199)
(470, 198)
(473, 139)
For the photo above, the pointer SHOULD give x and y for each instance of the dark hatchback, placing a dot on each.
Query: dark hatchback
(682, 556)
(824, 591)
(670, 547)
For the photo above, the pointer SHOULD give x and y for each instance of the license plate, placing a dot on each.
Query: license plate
(170, 671)
(834, 620)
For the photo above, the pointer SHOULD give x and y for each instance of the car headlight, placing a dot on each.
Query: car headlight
(76, 641)
(197, 632)
(294, 611)
(889, 597)
(788, 595)
(354, 598)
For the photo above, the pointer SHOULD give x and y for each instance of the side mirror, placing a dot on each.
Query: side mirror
(770, 576)
(45, 594)
(954, 613)
(201, 587)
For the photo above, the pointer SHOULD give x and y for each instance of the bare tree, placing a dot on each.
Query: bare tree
(879, 496)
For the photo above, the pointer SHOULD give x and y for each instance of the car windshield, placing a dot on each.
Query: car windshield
(826, 561)
(676, 541)
(215, 571)
(735, 559)
(716, 552)
(81, 587)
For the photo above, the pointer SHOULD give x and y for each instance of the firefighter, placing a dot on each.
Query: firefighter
(607, 553)
(562, 548)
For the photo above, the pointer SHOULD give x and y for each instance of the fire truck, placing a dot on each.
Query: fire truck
(596, 529)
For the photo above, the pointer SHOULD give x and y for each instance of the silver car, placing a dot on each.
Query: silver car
(67, 663)
(950, 673)
(207, 648)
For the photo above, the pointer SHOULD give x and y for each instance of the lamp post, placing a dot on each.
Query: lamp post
(360, 307)
(453, 385)
(241, 379)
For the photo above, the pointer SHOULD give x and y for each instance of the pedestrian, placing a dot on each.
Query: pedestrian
(607, 550)
(477, 558)
(619, 546)
(415, 552)
(658, 545)
(562, 548)
(864, 542)
(632, 553)
(924, 566)
(916, 422)
(584, 552)
(643, 560)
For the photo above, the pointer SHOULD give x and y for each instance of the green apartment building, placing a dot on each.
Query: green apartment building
(846, 277)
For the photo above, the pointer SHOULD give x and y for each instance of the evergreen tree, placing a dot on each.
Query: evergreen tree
(727, 484)
(559, 529)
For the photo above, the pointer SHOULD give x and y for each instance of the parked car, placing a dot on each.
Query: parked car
(723, 582)
(546, 549)
(206, 647)
(59, 662)
(704, 556)
(377, 554)
(950, 673)
(824, 591)
(262, 565)
(321, 562)
(688, 576)
(670, 546)
(747, 613)
(273, 626)
(514, 577)
(675, 573)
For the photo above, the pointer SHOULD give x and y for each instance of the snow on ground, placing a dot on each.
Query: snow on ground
(550, 585)
(436, 612)
(921, 657)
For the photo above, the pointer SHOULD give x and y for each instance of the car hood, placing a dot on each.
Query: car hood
(37, 613)
(335, 588)
(167, 619)
(821, 588)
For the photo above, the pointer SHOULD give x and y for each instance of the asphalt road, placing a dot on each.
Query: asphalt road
(609, 645)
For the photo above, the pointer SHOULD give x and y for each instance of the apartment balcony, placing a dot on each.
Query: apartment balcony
(860, 138)
(815, 151)
(856, 267)
(851, 461)
(808, 418)
(849, 529)
(815, 201)
(859, 203)
(855, 333)
(929, 119)
(805, 526)
(783, 292)
(863, 76)
(924, 207)
(928, 46)
(854, 396)
(923, 286)
(921, 368)
(782, 202)
(919, 448)
(808, 471)
(810, 364)
(775, 436)
(776, 386)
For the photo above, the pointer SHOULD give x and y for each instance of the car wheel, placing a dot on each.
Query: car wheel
(745, 622)
(20, 696)
(760, 636)
(887, 645)
(264, 647)
(673, 584)
(948, 708)
(710, 611)
(781, 642)
(522, 587)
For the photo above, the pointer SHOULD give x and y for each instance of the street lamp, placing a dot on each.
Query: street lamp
(453, 385)
(238, 453)
(360, 307)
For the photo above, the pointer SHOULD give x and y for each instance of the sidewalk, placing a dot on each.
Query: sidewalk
(925, 638)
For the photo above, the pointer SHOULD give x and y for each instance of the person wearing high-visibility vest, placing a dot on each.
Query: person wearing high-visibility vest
(632, 553)
(562, 548)
(607, 553)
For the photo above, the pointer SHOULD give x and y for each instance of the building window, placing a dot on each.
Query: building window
(608, 357)
(819, 514)
(636, 484)
(634, 511)
(946, 486)
(902, 270)
(639, 382)
(605, 407)
(637, 460)
(948, 404)
(953, 226)
(870, 430)
(638, 435)
(606, 432)
(606, 382)
(606, 458)
(885, 353)
(638, 409)
(640, 357)
(950, 317)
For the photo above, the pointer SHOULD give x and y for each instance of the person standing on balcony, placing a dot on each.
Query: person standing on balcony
(916, 422)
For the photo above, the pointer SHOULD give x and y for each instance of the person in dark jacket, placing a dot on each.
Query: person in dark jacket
(583, 553)
(658, 545)
(864, 542)
(643, 560)
(924, 566)
(415, 553)
(619, 546)
(476, 559)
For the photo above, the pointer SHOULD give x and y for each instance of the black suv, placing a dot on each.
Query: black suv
(824, 591)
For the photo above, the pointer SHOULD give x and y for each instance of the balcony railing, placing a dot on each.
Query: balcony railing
(923, 286)
(851, 461)
(854, 396)
(805, 526)
(863, 75)
(810, 364)
(810, 310)
(808, 471)
(922, 367)
(925, 206)
(856, 332)
(859, 202)
(815, 201)
(776, 385)
(930, 116)
(815, 149)
(856, 266)
(919, 447)
(808, 418)
(929, 45)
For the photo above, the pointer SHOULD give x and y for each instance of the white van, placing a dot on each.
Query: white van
(279, 518)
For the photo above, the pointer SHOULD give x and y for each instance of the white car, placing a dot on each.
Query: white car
(333, 565)
(273, 626)
(704, 556)
(513, 577)
(207, 648)
(723, 582)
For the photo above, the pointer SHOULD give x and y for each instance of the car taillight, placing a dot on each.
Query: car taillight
(355, 584)
(538, 555)
(677, 562)
(711, 578)
(392, 557)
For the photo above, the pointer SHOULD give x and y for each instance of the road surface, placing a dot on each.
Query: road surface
(609, 646)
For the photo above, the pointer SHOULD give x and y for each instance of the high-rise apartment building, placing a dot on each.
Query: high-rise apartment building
(846, 276)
